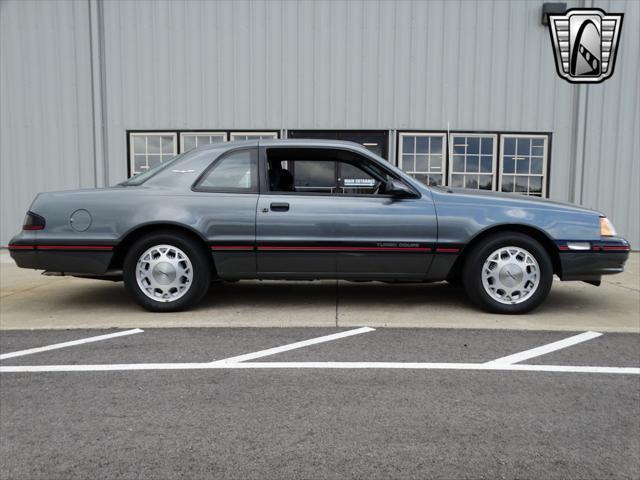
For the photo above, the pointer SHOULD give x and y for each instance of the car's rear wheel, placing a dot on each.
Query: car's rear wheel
(508, 273)
(167, 272)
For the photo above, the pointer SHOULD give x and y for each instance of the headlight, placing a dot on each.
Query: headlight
(606, 228)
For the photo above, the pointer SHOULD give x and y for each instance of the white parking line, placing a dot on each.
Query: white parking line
(69, 344)
(550, 347)
(240, 361)
(319, 365)
(293, 346)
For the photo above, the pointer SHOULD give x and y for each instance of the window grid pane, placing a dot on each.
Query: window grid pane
(472, 161)
(422, 157)
(237, 136)
(149, 149)
(523, 166)
(192, 140)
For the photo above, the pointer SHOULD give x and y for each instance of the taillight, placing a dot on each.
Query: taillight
(33, 221)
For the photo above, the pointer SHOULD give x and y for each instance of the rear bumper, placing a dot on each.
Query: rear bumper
(87, 259)
(604, 258)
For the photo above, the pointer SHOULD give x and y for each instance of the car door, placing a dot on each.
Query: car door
(296, 230)
(343, 230)
(392, 236)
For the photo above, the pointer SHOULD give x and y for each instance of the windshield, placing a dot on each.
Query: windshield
(140, 178)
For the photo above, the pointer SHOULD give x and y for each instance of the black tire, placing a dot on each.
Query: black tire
(201, 263)
(474, 262)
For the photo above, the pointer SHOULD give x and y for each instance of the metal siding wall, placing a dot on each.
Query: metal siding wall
(46, 136)
(611, 175)
(310, 65)
(332, 65)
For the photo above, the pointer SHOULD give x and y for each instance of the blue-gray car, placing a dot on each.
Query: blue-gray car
(311, 209)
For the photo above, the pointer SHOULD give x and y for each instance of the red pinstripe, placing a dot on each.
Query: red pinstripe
(349, 249)
(61, 247)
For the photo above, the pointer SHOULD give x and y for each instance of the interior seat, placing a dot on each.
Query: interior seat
(281, 180)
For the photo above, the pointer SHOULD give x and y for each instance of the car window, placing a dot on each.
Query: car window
(325, 176)
(314, 175)
(324, 171)
(235, 172)
(352, 179)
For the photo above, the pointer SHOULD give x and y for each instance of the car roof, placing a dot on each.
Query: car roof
(309, 142)
(276, 142)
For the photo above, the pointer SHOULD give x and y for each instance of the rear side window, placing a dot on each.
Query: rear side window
(236, 172)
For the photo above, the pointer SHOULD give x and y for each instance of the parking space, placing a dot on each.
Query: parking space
(376, 403)
(356, 348)
(154, 346)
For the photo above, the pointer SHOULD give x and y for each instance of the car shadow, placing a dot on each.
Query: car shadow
(296, 295)
(270, 293)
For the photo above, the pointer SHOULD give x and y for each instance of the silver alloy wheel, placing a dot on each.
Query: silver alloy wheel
(510, 275)
(164, 273)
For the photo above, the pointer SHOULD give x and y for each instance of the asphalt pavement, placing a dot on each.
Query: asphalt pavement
(384, 403)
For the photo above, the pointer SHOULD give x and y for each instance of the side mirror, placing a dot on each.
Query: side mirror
(398, 189)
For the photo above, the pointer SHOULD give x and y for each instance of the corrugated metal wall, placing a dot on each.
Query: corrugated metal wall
(46, 133)
(609, 168)
(77, 75)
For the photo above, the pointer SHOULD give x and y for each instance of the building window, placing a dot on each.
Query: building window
(422, 156)
(148, 149)
(524, 164)
(189, 140)
(252, 135)
(472, 161)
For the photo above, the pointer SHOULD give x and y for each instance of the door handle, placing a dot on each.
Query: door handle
(279, 207)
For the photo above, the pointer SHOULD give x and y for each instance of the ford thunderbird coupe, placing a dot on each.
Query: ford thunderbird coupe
(311, 209)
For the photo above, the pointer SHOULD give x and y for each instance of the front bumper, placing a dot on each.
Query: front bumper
(606, 257)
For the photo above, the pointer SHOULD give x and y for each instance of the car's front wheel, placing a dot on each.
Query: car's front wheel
(167, 272)
(508, 273)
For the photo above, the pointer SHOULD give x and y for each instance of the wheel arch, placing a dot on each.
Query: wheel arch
(534, 232)
(129, 238)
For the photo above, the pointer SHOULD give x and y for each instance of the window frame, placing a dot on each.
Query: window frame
(494, 160)
(445, 147)
(546, 156)
(196, 186)
(182, 134)
(157, 133)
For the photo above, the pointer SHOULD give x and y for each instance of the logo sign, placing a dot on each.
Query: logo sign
(585, 43)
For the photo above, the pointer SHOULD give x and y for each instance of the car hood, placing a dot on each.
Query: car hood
(522, 200)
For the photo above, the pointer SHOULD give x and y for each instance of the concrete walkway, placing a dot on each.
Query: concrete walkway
(29, 300)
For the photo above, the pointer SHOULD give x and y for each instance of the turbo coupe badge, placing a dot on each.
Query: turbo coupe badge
(585, 43)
